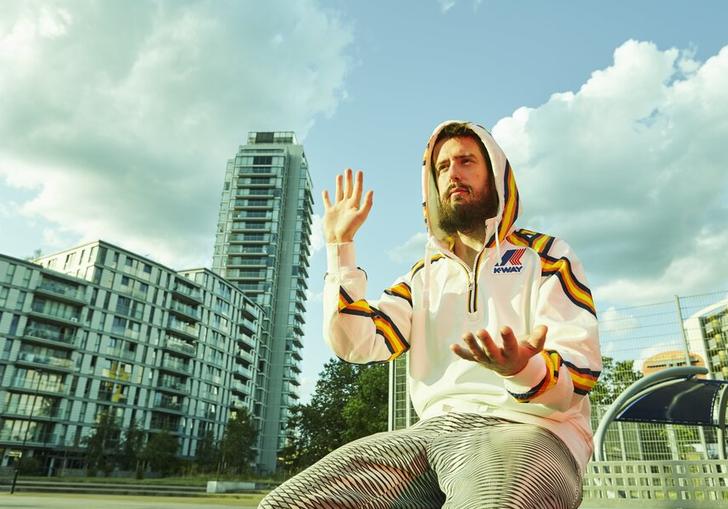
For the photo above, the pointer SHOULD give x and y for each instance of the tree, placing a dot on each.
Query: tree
(350, 401)
(131, 449)
(238, 442)
(102, 446)
(160, 453)
(614, 379)
(207, 454)
(366, 411)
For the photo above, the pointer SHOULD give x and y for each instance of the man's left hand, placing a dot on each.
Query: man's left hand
(507, 360)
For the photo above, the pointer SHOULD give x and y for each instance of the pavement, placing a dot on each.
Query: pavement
(240, 501)
(76, 501)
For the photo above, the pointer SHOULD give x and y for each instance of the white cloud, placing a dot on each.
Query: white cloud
(446, 5)
(631, 170)
(312, 296)
(317, 233)
(412, 250)
(120, 117)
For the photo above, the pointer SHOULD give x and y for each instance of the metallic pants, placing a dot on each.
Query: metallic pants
(454, 461)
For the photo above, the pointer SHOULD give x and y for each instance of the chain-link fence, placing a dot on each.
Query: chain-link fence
(640, 340)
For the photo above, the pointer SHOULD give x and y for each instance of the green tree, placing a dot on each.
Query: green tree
(160, 453)
(207, 454)
(131, 449)
(365, 413)
(350, 401)
(238, 442)
(614, 379)
(102, 446)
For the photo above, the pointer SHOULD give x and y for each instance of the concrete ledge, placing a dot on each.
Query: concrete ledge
(229, 486)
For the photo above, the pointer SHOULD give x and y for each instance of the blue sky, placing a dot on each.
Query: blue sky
(116, 121)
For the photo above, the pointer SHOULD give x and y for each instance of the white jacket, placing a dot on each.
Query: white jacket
(520, 279)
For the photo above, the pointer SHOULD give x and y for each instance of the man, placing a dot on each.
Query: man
(502, 339)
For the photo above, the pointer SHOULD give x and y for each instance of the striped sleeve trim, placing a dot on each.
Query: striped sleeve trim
(385, 326)
(553, 365)
(583, 379)
(401, 290)
(575, 290)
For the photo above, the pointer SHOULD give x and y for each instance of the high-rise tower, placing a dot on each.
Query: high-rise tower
(262, 245)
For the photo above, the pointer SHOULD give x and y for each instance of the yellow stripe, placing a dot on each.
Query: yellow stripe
(510, 207)
(562, 266)
(402, 290)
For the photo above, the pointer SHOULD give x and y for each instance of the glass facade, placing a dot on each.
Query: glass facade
(119, 333)
(263, 246)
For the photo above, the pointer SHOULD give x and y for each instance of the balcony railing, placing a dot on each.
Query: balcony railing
(38, 333)
(33, 385)
(176, 366)
(64, 316)
(176, 406)
(243, 372)
(178, 345)
(57, 362)
(190, 293)
(69, 291)
(124, 354)
(32, 438)
(29, 412)
(189, 311)
(176, 386)
(181, 327)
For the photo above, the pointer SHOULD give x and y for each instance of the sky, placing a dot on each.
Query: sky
(117, 119)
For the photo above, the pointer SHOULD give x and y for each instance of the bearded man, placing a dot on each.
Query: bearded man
(501, 333)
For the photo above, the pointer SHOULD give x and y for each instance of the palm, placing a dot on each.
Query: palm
(345, 216)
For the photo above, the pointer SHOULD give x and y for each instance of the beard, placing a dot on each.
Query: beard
(467, 216)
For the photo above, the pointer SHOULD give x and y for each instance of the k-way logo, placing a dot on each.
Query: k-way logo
(511, 262)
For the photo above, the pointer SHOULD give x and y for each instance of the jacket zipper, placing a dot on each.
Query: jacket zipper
(472, 278)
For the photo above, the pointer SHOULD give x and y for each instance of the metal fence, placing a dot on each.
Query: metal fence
(639, 340)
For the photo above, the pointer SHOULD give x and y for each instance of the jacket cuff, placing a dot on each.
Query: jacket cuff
(529, 377)
(340, 257)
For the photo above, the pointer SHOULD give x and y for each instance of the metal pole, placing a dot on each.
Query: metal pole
(708, 364)
(682, 331)
(25, 435)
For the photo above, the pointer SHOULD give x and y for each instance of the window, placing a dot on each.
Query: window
(147, 268)
(129, 262)
(10, 273)
(20, 300)
(3, 295)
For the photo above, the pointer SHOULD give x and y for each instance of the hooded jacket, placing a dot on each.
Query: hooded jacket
(521, 278)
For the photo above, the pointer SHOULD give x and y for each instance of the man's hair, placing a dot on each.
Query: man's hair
(459, 130)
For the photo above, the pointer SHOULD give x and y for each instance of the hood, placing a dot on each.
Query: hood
(505, 183)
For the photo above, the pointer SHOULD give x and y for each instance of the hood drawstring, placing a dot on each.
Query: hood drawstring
(491, 228)
(426, 279)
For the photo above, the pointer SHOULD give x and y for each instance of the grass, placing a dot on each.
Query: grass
(235, 499)
(198, 480)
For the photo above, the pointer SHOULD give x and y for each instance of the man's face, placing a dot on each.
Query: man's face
(465, 185)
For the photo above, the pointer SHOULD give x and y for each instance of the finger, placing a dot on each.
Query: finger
(348, 188)
(492, 350)
(478, 353)
(358, 184)
(339, 188)
(368, 201)
(537, 338)
(510, 343)
(326, 200)
(463, 353)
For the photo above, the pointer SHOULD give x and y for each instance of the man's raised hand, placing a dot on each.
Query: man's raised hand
(343, 218)
(507, 360)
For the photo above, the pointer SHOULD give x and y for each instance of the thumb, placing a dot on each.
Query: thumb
(537, 338)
